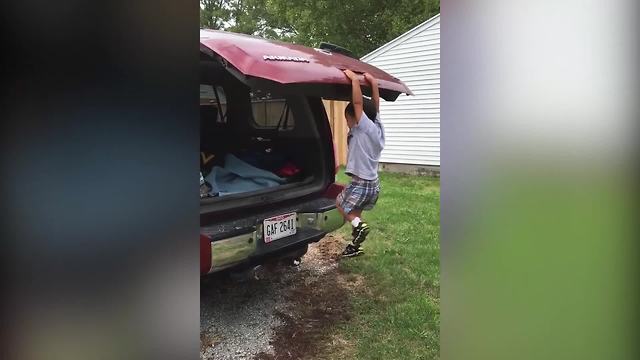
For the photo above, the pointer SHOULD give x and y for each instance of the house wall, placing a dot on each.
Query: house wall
(412, 123)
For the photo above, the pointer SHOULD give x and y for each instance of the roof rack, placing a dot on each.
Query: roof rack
(336, 49)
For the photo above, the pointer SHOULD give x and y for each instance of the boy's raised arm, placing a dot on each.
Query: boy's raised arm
(356, 93)
(375, 92)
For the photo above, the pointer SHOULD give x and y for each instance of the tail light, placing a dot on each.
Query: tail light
(333, 190)
(205, 254)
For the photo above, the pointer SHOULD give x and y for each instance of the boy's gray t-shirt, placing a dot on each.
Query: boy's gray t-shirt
(365, 143)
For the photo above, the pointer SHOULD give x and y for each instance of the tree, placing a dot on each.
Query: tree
(214, 14)
(359, 25)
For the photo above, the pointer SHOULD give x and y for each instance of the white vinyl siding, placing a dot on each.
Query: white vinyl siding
(412, 123)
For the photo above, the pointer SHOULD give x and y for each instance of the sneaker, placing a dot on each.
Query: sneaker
(351, 251)
(360, 233)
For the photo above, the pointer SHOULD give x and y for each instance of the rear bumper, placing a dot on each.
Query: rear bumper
(248, 246)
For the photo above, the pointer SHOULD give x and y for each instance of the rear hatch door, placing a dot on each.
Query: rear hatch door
(265, 63)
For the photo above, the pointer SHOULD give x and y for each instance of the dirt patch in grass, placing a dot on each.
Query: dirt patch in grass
(317, 303)
(325, 253)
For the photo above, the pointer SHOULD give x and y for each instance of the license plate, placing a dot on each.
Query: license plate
(279, 227)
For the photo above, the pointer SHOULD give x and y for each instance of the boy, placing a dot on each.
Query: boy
(365, 143)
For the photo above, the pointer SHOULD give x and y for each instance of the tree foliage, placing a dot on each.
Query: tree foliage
(359, 25)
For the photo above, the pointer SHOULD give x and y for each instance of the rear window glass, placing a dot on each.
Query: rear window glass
(213, 102)
(271, 112)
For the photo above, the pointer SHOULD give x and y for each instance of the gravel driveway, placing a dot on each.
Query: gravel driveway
(256, 314)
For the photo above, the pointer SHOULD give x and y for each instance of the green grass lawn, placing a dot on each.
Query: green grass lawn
(397, 316)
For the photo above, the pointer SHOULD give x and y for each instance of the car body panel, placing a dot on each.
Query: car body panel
(249, 246)
(286, 63)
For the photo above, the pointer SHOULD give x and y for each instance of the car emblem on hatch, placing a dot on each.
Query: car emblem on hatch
(284, 58)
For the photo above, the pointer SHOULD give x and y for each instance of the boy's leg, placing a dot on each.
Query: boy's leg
(352, 215)
(351, 249)
(348, 204)
(367, 201)
(360, 228)
(351, 204)
(359, 232)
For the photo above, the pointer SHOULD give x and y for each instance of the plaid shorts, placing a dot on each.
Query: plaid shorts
(359, 195)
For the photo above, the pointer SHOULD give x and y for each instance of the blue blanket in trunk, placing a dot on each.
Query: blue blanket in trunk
(237, 177)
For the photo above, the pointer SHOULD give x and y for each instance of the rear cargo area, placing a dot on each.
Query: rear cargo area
(255, 142)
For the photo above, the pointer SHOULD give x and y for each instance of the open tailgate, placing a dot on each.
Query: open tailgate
(261, 62)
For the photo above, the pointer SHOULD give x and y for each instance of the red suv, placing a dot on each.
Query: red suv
(267, 169)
